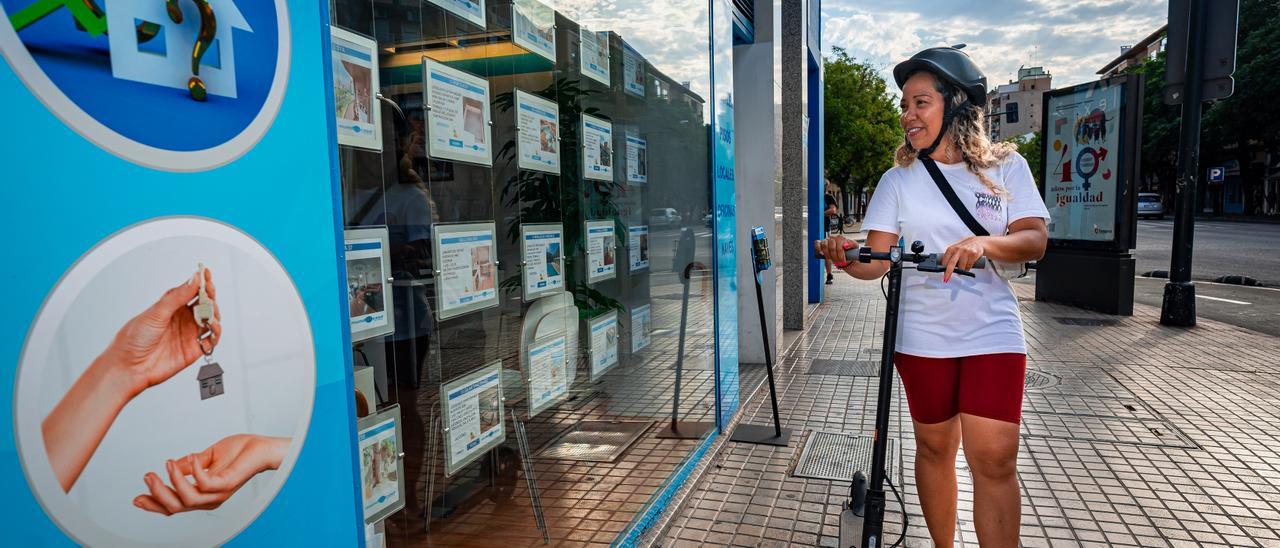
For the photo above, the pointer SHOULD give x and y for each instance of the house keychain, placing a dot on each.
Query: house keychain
(210, 374)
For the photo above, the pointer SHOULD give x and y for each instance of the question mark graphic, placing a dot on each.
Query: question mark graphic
(208, 28)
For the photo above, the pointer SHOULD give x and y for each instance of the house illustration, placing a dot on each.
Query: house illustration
(166, 59)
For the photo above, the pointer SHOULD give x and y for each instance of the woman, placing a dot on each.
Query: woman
(961, 352)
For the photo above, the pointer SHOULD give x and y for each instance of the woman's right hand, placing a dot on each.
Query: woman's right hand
(834, 249)
(165, 338)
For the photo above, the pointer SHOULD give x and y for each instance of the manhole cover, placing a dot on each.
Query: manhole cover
(1039, 380)
(845, 368)
(671, 296)
(836, 456)
(594, 441)
(1085, 322)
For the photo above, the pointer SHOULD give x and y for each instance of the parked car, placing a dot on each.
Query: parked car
(664, 216)
(1149, 205)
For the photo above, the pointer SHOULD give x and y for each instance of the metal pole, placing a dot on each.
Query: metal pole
(1179, 306)
(768, 359)
(873, 527)
(684, 314)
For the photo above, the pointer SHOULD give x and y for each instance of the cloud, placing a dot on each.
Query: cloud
(671, 34)
(1071, 39)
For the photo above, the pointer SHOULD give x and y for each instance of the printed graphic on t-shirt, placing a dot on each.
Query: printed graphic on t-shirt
(990, 206)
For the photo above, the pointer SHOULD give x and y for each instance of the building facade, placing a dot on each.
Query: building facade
(435, 272)
(1014, 108)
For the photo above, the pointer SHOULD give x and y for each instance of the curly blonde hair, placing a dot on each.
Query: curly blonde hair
(969, 135)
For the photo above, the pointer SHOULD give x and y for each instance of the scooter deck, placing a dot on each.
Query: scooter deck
(850, 528)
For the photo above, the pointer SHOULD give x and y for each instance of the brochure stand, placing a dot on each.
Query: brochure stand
(684, 430)
(754, 433)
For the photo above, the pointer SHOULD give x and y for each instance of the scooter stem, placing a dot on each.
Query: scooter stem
(873, 526)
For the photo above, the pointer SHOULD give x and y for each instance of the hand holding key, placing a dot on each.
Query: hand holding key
(166, 338)
(149, 349)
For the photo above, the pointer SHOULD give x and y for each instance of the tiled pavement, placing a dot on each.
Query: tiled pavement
(1134, 434)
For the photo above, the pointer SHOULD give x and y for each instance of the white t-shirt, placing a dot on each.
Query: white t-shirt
(966, 316)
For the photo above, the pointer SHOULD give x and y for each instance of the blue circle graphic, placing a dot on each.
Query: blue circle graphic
(139, 91)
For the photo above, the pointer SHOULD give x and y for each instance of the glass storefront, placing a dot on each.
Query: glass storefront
(539, 174)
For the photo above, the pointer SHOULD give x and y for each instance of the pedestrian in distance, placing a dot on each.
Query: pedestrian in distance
(829, 219)
(961, 352)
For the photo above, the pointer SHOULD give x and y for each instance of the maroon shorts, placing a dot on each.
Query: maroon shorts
(988, 385)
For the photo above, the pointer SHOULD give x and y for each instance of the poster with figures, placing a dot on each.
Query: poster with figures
(355, 89)
(1081, 168)
(381, 469)
(466, 276)
(458, 116)
(468, 10)
(368, 283)
(633, 80)
(539, 141)
(548, 374)
(603, 331)
(533, 27)
(472, 407)
(602, 250)
(597, 149)
(638, 247)
(637, 160)
(641, 327)
(593, 54)
(542, 253)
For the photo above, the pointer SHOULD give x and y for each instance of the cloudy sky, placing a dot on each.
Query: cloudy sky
(1071, 39)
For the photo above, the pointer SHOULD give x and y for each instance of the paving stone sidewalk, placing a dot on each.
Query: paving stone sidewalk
(1134, 434)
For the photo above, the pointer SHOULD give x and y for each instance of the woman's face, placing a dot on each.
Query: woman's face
(922, 108)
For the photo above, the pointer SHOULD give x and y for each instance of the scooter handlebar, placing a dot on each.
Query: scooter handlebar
(926, 262)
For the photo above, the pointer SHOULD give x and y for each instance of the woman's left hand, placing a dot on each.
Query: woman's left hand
(962, 254)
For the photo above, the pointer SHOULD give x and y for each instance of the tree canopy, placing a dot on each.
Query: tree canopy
(861, 123)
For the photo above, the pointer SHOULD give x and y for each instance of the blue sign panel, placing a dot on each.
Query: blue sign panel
(726, 217)
(173, 361)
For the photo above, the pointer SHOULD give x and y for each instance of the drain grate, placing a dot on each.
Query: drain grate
(844, 368)
(594, 441)
(836, 456)
(1039, 380)
(1085, 322)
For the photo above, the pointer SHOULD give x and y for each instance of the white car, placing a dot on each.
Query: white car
(1149, 205)
(664, 216)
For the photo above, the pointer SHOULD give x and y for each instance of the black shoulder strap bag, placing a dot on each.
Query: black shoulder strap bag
(950, 194)
(1003, 270)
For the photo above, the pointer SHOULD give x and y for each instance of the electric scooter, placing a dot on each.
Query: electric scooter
(862, 521)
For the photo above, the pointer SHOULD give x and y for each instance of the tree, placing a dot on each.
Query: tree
(1029, 148)
(1160, 126)
(860, 121)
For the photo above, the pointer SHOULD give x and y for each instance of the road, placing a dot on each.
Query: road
(1221, 248)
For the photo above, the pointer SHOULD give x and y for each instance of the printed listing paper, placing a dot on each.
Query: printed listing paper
(355, 89)
(468, 10)
(604, 344)
(641, 326)
(473, 417)
(597, 149)
(543, 257)
(464, 257)
(458, 119)
(533, 27)
(601, 251)
(594, 55)
(548, 374)
(637, 160)
(638, 247)
(539, 142)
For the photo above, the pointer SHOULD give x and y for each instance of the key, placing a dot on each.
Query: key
(203, 309)
(210, 377)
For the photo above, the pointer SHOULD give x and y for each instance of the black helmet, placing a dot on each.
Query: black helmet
(952, 66)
